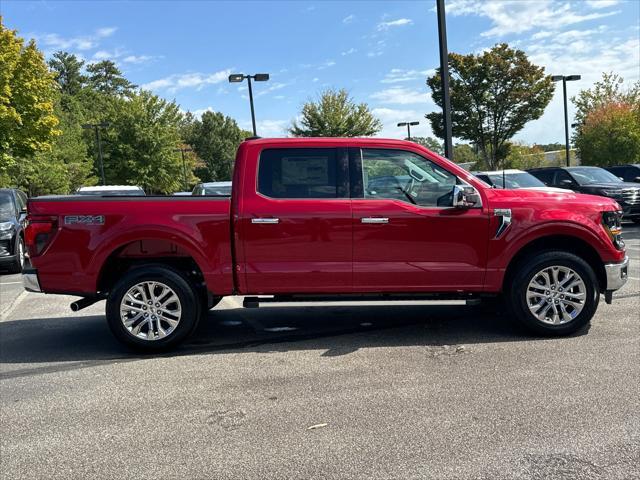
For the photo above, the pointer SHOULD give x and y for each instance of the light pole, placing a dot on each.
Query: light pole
(96, 128)
(184, 164)
(408, 125)
(258, 77)
(444, 78)
(565, 79)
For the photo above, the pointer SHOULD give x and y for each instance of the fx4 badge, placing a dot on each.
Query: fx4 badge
(84, 220)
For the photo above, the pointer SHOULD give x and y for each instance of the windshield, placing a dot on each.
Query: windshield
(585, 176)
(221, 190)
(7, 211)
(515, 180)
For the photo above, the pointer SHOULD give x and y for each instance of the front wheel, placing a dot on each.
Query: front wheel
(152, 308)
(18, 263)
(554, 293)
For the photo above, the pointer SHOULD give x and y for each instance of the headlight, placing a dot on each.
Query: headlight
(612, 222)
(6, 230)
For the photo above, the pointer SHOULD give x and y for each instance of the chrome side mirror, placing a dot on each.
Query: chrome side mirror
(465, 196)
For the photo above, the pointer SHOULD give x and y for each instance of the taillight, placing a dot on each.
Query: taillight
(39, 232)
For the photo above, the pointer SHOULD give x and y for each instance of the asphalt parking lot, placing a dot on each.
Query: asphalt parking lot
(408, 390)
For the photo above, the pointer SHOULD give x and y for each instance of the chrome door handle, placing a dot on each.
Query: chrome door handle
(265, 221)
(374, 220)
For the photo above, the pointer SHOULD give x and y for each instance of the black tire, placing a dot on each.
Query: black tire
(528, 269)
(189, 302)
(18, 263)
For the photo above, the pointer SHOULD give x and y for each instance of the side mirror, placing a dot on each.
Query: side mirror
(566, 182)
(465, 196)
(637, 179)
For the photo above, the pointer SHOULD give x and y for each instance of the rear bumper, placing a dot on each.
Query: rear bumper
(30, 280)
(617, 274)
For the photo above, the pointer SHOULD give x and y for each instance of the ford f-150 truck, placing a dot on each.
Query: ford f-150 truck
(328, 218)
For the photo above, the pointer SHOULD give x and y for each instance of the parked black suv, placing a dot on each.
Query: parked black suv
(628, 173)
(595, 181)
(13, 214)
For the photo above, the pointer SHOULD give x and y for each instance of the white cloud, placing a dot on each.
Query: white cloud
(397, 75)
(327, 64)
(515, 16)
(136, 59)
(176, 82)
(349, 52)
(394, 23)
(602, 3)
(401, 96)
(53, 41)
(268, 128)
(391, 117)
(348, 19)
(271, 87)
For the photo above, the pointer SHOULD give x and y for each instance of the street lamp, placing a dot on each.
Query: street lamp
(258, 77)
(408, 125)
(565, 79)
(184, 164)
(96, 127)
(444, 80)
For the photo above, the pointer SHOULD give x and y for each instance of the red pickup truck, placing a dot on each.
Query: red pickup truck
(328, 218)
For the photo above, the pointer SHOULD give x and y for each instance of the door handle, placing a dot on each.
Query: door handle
(265, 221)
(374, 220)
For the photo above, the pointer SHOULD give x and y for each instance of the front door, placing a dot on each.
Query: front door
(297, 223)
(407, 236)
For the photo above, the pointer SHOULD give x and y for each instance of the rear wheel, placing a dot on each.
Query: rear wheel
(152, 308)
(18, 263)
(554, 293)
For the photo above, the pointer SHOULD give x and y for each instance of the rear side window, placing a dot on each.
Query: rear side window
(301, 173)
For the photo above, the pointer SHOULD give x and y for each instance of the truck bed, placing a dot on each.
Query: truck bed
(88, 231)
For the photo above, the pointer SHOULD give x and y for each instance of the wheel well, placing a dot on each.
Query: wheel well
(127, 257)
(563, 243)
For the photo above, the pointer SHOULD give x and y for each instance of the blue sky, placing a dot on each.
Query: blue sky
(380, 51)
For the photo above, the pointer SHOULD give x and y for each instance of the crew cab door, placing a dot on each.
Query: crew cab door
(295, 222)
(407, 237)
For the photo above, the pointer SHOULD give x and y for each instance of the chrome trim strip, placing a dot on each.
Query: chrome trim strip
(265, 221)
(617, 274)
(377, 220)
(505, 220)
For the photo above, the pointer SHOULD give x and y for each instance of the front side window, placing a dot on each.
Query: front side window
(405, 176)
(300, 173)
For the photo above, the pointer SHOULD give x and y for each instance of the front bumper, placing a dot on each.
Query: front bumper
(617, 274)
(30, 280)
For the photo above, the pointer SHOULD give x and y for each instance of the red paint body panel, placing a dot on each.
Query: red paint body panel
(319, 246)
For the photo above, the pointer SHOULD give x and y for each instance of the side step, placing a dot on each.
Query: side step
(254, 302)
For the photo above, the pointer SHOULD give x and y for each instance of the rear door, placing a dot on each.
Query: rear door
(411, 239)
(296, 222)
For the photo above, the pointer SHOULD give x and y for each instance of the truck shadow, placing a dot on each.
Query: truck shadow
(332, 330)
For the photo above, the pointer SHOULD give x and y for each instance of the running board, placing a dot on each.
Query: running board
(470, 298)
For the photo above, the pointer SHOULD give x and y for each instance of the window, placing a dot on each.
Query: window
(545, 176)
(405, 176)
(301, 173)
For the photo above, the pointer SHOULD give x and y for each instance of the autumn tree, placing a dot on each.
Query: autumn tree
(608, 118)
(493, 95)
(27, 94)
(335, 115)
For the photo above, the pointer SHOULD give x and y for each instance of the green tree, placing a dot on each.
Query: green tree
(139, 144)
(27, 93)
(608, 118)
(105, 77)
(523, 156)
(464, 153)
(335, 115)
(215, 139)
(493, 95)
(67, 70)
(430, 143)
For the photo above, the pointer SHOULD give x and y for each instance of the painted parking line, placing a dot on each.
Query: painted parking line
(10, 283)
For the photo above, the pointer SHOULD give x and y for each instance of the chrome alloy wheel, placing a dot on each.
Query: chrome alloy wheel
(150, 311)
(556, 295)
